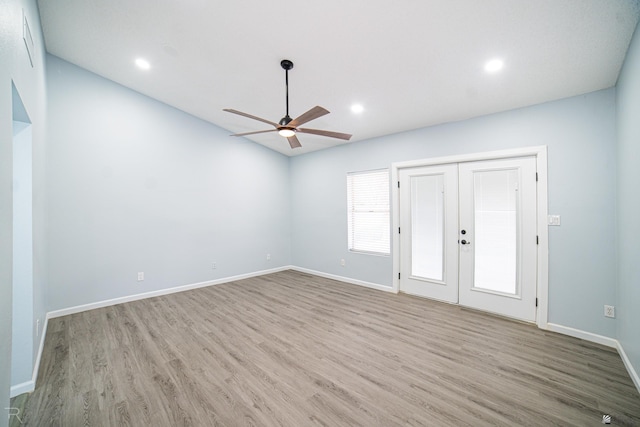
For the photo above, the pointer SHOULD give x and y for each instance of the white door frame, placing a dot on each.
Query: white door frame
(540, 152)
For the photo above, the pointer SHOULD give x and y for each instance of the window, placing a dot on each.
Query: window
(368, 211)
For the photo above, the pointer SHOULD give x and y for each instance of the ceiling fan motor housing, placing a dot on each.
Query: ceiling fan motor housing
(285, 120)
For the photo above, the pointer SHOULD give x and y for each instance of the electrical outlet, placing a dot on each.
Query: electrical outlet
(342, 263)
(553, 220)
(140, 276)
(268, 257)
(214, 266)
(609, 311)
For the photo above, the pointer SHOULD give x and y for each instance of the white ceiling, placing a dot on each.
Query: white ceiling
(410, 63)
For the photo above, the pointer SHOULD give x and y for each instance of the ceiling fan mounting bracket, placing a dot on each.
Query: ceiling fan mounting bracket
(286, 64)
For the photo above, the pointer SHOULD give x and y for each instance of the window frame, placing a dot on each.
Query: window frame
(352, 246)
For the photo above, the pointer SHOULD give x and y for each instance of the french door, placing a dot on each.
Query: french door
(428, 232)
(468, 234)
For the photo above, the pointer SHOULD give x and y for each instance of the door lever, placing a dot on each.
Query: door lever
(464, 242)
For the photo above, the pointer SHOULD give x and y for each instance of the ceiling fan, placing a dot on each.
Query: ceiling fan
(288, 127)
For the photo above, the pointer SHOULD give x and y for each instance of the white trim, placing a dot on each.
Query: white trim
(36, 366)
(473, 157)
(25, 387)
(584, 335)
(345, 279)
(599, 339)
(160, 292)
(29, 386)
(395, 224)
(542, 316)
(627, 364)
(543, 244)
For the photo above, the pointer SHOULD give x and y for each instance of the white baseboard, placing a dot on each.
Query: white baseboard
(344, 279)
(599, 339)
(587, 336)
(30, 385)
(167, 291)
(25, 387)
(160, 292)
(627, 364)
(43, 334)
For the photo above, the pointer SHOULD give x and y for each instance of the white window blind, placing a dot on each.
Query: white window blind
(368, 211)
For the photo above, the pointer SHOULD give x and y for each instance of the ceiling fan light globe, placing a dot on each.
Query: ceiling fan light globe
(287, 132)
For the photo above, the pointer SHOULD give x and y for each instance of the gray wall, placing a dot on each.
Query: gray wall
(138, 186)
(22, 340)
(580, 135)
(30, 84)
(629, 204)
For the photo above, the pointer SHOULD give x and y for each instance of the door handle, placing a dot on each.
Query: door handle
(464, 242)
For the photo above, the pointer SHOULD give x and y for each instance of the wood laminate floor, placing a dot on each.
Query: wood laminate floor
(290, 349)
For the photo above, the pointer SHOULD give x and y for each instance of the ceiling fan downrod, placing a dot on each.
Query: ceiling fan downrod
(286, 65)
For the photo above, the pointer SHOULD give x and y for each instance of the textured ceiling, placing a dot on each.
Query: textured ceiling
(410, 63)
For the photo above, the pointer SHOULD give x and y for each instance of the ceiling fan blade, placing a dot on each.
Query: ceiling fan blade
(328, 133)
(240, 113)
(312, 114)
(253, 133)
(293, 142)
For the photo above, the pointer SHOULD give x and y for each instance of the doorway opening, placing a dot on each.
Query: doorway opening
(22, 305)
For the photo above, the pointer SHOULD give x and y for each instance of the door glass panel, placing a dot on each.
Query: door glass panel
(427, 227)
(495, 239)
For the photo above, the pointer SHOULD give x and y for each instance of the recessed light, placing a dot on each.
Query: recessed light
(357, 108)
(143, 64)
(493, 65)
